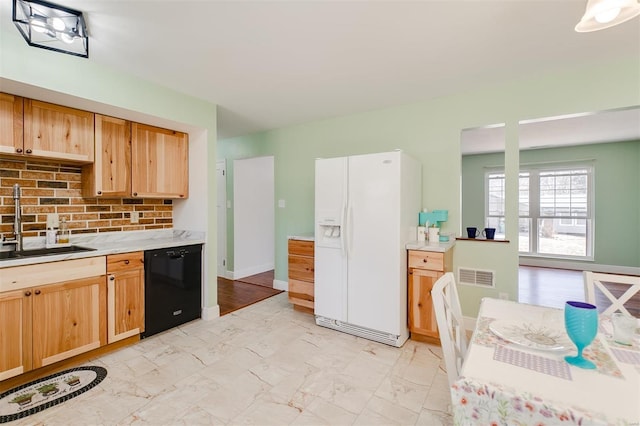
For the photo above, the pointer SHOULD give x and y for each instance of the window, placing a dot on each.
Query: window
(494, 210)
(555, 209)
(556, 217)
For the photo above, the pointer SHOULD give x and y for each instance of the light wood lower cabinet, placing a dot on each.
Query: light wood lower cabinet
(15, 333)
(425, 267)
(125, 300)
(301, 275)
(42, 325)
(68, 319)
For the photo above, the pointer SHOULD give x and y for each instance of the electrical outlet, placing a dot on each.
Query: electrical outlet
(135, 217)
(503, 296)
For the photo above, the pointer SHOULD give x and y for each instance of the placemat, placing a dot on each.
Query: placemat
(628, 357)
(533, 362)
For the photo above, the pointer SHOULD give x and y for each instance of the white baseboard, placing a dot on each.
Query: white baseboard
(211, 312)
(578, 266)
(247, 272)
(281, 285)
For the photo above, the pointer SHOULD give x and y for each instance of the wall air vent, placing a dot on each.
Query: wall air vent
(478, 277)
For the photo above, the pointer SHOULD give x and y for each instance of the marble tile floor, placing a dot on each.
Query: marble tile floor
(262, 365)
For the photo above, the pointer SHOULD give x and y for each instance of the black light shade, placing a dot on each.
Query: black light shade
(51, 27)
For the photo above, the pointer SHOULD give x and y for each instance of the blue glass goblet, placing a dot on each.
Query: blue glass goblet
(581, 322)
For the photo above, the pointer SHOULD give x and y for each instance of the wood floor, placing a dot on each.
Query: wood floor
(234, 295)
(538, 286)
(553, 287)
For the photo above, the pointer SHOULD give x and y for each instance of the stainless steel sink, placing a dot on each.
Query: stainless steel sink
(7, 255)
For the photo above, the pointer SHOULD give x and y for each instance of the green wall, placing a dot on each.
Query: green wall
(473, 187)
(617, 194)
(430, 131)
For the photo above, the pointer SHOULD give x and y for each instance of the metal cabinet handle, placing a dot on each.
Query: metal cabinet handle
(112, 278)
(99, 192)
(19, 150)
(29, 151)
(27, 293)
(126, 262)
(37, 292)
(135, 194)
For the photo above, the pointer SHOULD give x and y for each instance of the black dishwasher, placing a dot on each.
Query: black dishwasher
(172, 287)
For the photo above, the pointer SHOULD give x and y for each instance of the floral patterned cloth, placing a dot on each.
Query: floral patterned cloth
(489, 404)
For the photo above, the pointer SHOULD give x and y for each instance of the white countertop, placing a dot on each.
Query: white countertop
(110, 243)
(427, 246)
(302, 237)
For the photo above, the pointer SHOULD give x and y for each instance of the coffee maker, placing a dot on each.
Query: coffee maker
(434, 218)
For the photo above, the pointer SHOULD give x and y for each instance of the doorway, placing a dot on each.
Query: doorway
(221, 209)
(253, 216)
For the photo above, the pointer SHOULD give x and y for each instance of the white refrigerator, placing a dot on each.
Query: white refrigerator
(366, 210)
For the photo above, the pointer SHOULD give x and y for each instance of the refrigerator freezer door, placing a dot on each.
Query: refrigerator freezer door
(373, 241)
(330, 285)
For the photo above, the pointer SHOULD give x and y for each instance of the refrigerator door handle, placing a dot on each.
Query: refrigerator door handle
(349, 225)
(343, 228)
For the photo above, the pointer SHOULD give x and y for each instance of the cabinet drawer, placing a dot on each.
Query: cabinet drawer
(302, 248)
(125, 261)
(19, 277)
(301, 268)
(301, 293)
(426, 260)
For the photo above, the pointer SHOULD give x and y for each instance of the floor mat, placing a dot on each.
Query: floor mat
(46, 392)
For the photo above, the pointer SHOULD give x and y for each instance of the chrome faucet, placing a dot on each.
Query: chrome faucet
(17, 220)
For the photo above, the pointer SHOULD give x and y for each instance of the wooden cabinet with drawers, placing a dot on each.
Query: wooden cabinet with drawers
(125, 295)
(425, 267)
(301, 274)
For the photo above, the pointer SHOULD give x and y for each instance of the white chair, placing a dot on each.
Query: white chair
(453, 337)
(596, 280)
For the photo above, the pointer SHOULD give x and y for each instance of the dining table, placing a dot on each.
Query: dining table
(514, 372)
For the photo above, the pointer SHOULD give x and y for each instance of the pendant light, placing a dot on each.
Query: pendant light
(601, 14)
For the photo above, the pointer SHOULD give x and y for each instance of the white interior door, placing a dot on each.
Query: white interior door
(253, 216)
(221, 209)
(373, 228)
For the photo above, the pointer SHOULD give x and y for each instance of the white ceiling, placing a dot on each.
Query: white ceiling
(618, 125)
(269, 64)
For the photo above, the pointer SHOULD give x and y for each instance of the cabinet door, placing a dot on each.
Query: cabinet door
(54, 131)
(68, 319)
(125, 296)
(422, 318)
(110, 174)
(15, 333)
(10, 124)
(161, 159)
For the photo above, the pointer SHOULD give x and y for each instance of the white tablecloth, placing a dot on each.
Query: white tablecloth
(506, 383)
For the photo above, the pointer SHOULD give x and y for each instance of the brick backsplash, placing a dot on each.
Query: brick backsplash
(56, 188)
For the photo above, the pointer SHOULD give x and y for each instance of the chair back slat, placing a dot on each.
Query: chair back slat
(453, 337)
(598, 281)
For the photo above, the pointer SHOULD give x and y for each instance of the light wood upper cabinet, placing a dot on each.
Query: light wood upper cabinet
(125, 295)
(161, 159)
(15, 333)
(110, 174)
(10, 124)
(58, 132)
